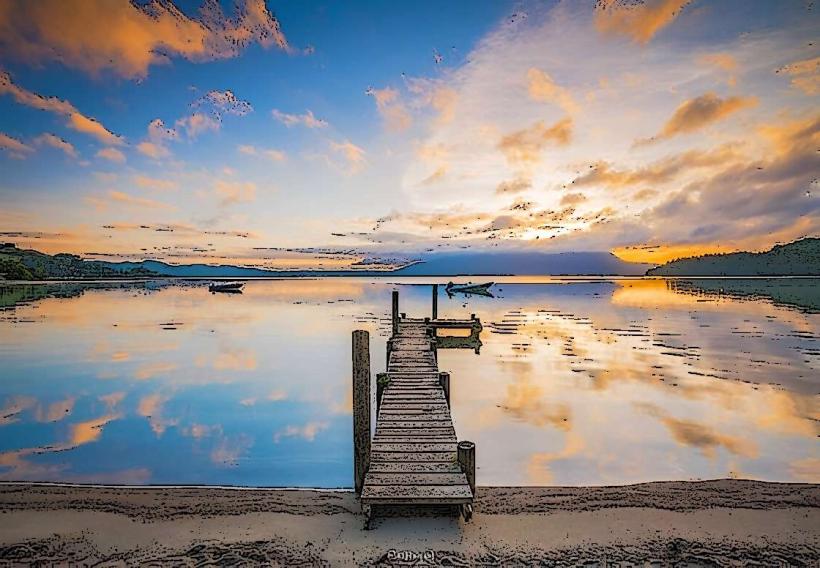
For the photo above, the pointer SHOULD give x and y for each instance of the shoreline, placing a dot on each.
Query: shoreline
(712, 522)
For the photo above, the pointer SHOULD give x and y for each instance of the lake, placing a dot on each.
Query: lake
(577, 382)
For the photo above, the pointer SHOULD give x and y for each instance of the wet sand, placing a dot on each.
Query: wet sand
(724, 522)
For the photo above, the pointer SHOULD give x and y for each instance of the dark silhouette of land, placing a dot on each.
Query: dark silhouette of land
(798, 258)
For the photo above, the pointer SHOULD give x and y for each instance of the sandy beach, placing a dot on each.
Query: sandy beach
(723, 523)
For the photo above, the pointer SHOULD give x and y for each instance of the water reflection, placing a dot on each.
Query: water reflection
(578, 382)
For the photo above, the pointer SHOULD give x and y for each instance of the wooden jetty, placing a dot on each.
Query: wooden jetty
(414, 458)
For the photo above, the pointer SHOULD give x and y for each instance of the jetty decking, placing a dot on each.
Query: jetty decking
(415, 457)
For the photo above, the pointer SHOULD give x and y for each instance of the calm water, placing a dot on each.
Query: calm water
(577, 382)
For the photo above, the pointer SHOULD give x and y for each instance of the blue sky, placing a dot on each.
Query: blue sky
(393, 128)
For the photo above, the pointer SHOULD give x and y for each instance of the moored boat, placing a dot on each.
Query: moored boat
(225, 286)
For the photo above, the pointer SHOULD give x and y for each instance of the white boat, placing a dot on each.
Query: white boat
(225, 286)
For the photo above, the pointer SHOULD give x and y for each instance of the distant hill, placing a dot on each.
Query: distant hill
(191, 270)
(26, 264)
(800, 258)
(525, 263)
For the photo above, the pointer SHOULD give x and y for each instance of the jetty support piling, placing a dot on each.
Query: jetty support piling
(444, 381)
(466, 459)
(361, 407)
(395, 312)
(435, 301)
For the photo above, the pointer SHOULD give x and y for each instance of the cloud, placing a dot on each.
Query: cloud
(805, 75)
(155, 183)
(231, 192)
(197, 123)
(352, 153)
(541, 87)
(308, 119)
(435, 177)
(271, 154)
(699, 112)
(56, 411)
(525, 146)
(126, 37)
(572, 199)
(56, 142)
(76, 120)
(118, 197)
(151, 407)
(306, 432)
(15, 148)
(391, 109)
(13, 407)
(639, 20)
(220, 103)
(158, 135)
(723, 61)
(662, 171)
(514, 186)
(111, 154)
(700, 436)
(90, 430)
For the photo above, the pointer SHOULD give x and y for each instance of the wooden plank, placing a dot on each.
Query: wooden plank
(422, 423)
(421, 432)
(414, 467)
(411, 447)
(446, 457)
(417, 479)
(417, 494)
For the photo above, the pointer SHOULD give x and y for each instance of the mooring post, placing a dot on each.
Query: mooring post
(435, 301)
(395, 312)
(361, 407)
(444, 380)
(466, 459)
(381, 384)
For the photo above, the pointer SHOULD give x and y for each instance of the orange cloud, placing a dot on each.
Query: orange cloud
(235, 192)
(698, 113)
(111, 154)
(700, 436)
(307, 119)
(154, 183)
(126, 37)
(14, 147)
(658, 172)
(525, 146)
(56, 142)
(352, 153)
(272, 155)
(306, 432)
(90, 430)
(391, 109)
(805, 75)
(639, 21)
(541, 87)
(76, 120)
(513, 186)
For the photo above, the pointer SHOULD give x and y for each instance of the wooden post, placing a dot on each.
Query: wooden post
(389, 346)
(361, 407)
(435, 301)
(381, 384)
(395, 312)
(444, 380)
(466, 459)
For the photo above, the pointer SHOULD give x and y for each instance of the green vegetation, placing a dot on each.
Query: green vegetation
(800, 258)
(24, 264)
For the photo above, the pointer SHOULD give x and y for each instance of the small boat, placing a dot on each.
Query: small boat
(477, 289)
(230, 287)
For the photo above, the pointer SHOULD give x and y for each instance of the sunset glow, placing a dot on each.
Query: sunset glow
(318, 135)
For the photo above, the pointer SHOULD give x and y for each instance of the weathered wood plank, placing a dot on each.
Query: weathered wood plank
(414, 467)
(406, 478)
(411, 447)
(417, 492)
(416, 424)
(376, 456)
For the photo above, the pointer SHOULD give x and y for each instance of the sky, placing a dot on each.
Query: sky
(289, 134)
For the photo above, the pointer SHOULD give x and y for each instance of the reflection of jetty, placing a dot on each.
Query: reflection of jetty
(414, 458)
